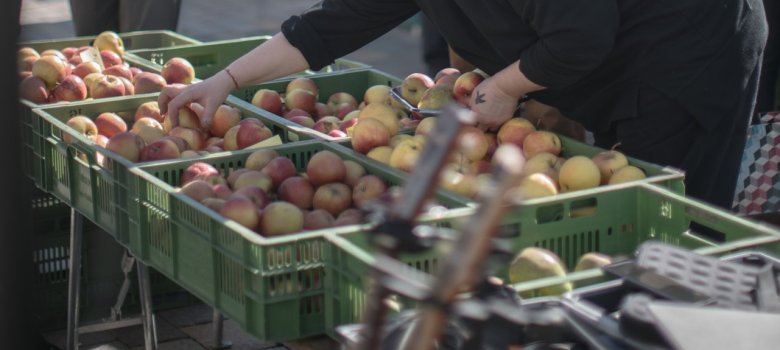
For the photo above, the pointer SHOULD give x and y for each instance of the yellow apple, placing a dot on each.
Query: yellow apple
(578, 173)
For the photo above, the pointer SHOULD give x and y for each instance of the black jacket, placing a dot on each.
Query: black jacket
(593, 56)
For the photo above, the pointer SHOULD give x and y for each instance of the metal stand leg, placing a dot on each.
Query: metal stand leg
(217, 331)
(150, 329)
(74, 279)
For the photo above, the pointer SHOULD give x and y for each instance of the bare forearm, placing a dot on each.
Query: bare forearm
(273, 59)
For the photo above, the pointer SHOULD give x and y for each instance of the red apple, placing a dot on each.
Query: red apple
(367, 189)
(514, 131)
(279, 169)
(85, 68)
(302, 99)
(472, 143)
(129, 88)
(110, 58)
(302, 83)
(149, 129)
(465, 85)
(334, 197)
(147, 82)
(259, 159)
(149, 110)
(225, 118)
(222, 191)
(242, 210)
(321, 110)
(127, 145)
(119, 71)
(110, 124)
(317, 219)
(135, 71)
(214, 204)
(159, 150)
(51, 69)
(303, 121)
(83, 126)
(368, 134)
(414, 86)
(298, 191)
(296, 112)
(348, 126)
(446, 72)
(34, 89)
(541, 142)
(195, 138)
(250, 134)
(350, 216)
(178, 70)
(268, 100)
(325, 167)
(27, 63)
(336, 100)
(337, 133)
(197, 190)
(108, 86)
(258, 196)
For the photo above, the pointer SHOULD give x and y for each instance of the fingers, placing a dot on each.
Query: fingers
(208, 114)
(166, 94)
(177, 102)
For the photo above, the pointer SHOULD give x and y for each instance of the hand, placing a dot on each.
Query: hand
(492, 105)
(209, 94)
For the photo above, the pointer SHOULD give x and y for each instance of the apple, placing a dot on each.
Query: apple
(253, 178)
(34, 89)
(25, 52)
(251, 120)
(214, 204)
(397, 139)
(405, 155)
(446, 72)
(107, 86)
(110, 58)
(281, 218)
(301, 99)
(354, 171)
(83, 126)
(326, 124)
(514, 131)
(414, 86)
(26, 64)
(197, 190)
(234, 175)
(465, 85)
(324, 167)
(381, 154)
(536, 185)
(436, 97)
(215, 141)
(367, 189)
(383, 113)
(578, 173)
(303, 121)
(250, 134)
(268, 100)
(149, 129)
(147, 82)
(338, 98)
(51, 69)
(195, 139)
(127, 145)
(54, 52)
(91, 79)
(545, 163)
(178, 70)
(223, 191)
(180, 142)
(257, 160)
(609, 162)
(492, 140)
(189, 154)
(231, 143)
(626, 174)
(368, 134)
(334, 197)
(296, 112)
(472, 143)
(351, 115)
(350, 216)
(135, 71)
(109, 40)
(458, 182)
(279, 169)
(149, 110)
(242, 210)
(85, 68)
(187, 119)
(337, 133)
(258, 196)
(297, 190)
(160, 150)
(321, 110)
(119, 71)
(110, 124)
(129, 88)
(318, 219)
(348, 126)
(541, 142)
(225, 117)
(376, 93)
(425, 126)
(303, 83)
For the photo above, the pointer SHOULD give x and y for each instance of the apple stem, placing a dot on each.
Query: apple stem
(615, 146)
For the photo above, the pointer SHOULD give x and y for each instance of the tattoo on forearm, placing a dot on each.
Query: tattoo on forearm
(480, 98)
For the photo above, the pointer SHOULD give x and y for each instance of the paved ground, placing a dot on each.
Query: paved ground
(206, 20)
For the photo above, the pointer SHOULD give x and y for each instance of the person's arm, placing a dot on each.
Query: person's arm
(574, 38)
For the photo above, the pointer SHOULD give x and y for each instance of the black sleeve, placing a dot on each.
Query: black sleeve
(575, 36)
(333, 28)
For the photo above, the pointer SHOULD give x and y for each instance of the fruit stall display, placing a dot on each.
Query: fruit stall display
(83, 150)
(90, 68)
(211, 57)
(546, 248)
(328, 106)
(243, 231)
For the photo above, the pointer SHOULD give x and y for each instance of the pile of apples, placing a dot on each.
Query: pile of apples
(150, 136)
(338, 115)
(270, 197)
(545, 171)
(71, 74)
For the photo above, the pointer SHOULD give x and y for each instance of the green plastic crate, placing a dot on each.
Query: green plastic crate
(626, 215)
(73, 175)
(354, 82)
(131, 40)
(271, 286)
(211, 57)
